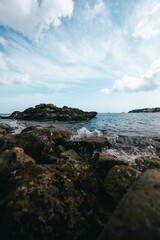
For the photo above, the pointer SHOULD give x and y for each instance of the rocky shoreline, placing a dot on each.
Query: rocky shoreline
(146, 110)
(50, 112)
(56, 187)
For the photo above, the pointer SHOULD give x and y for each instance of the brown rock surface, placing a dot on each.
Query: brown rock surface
(103, 162)
(138, 214)
(147, 162)
(119, 179)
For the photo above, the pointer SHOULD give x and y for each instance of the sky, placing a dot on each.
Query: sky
(101, 55)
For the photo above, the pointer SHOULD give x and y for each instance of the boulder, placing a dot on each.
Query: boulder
(138, 214)
(49, 112)
(103, 162)
(36, 143)
(4, 129)
(119, 179)
(88, 146)
(52, 201)
(147, 162)
(13, 159)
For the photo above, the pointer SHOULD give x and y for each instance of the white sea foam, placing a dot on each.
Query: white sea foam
(16, 127)
(84, 132)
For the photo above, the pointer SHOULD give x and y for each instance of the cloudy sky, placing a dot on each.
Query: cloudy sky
(101, 55)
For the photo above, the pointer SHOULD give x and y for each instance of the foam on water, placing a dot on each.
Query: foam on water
(16, 127)
(84, 132)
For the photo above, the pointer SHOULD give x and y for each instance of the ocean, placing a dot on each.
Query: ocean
(131, 134)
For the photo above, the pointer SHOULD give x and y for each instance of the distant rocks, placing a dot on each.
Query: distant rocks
(50, 112)
(145, 110)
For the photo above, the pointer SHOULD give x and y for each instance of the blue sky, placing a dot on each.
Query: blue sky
(101, 55)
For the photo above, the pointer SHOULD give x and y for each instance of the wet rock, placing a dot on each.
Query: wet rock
(61, 136)
(56, 201)
(118, 181)
(37, 143)
(147, 162)
(138, 214)
(49, 112)
(87, 146)
(4, 129)
(70, 154)
(103, 162)
(13, 159)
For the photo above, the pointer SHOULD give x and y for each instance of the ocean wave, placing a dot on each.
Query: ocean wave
(85, 133)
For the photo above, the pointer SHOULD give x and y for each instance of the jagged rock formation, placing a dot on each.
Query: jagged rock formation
(50, 112)
(145, 110)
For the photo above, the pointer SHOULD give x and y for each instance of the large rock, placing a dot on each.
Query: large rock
(118, 181)
(37, 143)
(138, 214)
(147, 162)
(15, 158)
(54, 201)
(103, 162)
(49, 112)
(88, 146)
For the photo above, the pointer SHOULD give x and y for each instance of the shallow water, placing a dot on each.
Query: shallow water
(127, 124)
(131, 134)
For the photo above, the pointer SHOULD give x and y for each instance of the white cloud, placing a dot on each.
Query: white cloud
(149, 81)
(3, 42)
(29, 16)
(147, 24)
(98, 8)
(21, 79)
(3, 62)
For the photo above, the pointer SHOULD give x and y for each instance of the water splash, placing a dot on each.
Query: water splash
(85, 133)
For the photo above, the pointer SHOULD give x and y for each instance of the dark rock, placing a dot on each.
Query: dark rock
(56, 201)
(5, 129)
(70, 154)
(118, 181)
(138, 214)
(37, 143)
(87, 146)
(49, 112)
(103, 162)
(147, 162)
(145, 110)
(13, 159)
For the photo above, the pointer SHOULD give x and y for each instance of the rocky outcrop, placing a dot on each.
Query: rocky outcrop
(55, 186)
(138, 214)
(145, 110)
(63, 200)
(147, 162)
(49, 112)
(119, 179)
(103, 162)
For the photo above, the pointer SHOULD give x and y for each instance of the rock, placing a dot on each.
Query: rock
(70, 154)
(36, 143)
(138, 214)
(61, 136)
(55, 201)
(147, 162)
(118, 181)
(87, 146)
(145, 110)
(4, 129)
(103, 162)
(13, 159)
(49, 112)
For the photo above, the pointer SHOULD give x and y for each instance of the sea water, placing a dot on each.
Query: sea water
(131, 134)
(126, 124)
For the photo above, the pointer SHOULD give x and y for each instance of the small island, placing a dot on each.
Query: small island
(50, 112)
(145, 110)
